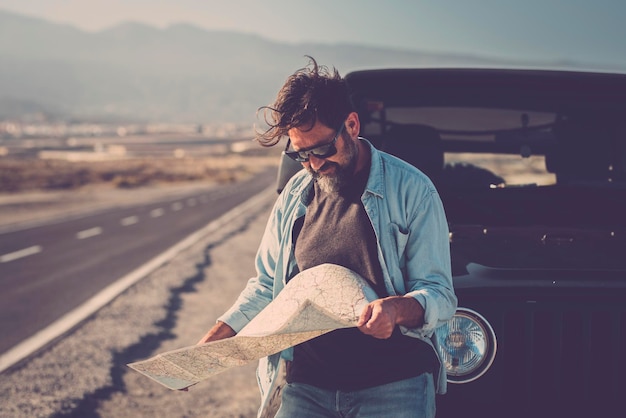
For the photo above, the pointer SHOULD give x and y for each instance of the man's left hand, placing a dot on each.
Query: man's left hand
(380, 317)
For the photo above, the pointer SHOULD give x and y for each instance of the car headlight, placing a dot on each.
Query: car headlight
(467, 346)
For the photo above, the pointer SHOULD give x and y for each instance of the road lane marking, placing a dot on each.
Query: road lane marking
(131, 220)
(177, 206)
(155, 213)
(67, 322)
(88, 233)
(20, 253)
(191, 202)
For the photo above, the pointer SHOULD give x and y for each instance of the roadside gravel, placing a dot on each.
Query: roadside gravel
(84, 374)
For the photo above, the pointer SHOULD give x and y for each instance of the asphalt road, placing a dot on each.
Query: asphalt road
(84, 373)
(46, 271)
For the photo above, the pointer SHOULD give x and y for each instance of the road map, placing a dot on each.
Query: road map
(316, 301)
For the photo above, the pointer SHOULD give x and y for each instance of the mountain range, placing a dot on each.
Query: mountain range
(183, 73)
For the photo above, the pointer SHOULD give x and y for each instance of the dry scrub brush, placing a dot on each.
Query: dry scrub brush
(33, 174)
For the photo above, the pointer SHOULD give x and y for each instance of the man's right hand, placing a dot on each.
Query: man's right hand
(219, 331)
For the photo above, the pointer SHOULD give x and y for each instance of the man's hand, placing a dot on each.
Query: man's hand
(380, 317)
(219, 331)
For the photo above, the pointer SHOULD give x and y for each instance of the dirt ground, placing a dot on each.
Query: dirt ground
(84, 374)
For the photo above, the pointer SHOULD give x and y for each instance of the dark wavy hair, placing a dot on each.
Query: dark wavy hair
(311, 94)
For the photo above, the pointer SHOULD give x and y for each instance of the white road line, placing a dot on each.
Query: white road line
(131, 220)
(76, 316)
(191, 202)
(20, 253)
(155, 213)
(88, 233)
(176, 206)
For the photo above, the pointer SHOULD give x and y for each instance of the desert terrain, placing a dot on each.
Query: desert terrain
(69, 182)
(84, 374)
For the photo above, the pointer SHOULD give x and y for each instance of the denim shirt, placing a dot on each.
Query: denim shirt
(413, 249)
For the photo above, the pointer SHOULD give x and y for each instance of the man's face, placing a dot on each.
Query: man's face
(336, 171)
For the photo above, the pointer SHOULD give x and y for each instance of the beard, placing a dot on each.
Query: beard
(342, 176)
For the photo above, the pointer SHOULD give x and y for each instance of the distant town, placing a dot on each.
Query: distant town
(47, 139)
(18, 129)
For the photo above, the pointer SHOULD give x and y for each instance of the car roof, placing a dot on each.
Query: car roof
(513, 88)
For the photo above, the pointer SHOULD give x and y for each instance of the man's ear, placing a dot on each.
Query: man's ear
(353, 125)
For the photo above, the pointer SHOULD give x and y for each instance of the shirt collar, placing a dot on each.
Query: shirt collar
(375, 184)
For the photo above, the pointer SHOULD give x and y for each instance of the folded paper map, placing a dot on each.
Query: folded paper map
(314, 302)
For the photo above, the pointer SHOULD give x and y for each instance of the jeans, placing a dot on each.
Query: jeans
(410, 398)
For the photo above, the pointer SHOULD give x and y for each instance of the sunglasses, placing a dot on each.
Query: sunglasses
(321, 151)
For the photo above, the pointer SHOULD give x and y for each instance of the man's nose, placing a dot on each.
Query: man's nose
(316, 162)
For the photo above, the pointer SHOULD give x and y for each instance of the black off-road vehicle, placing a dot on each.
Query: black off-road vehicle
(531, 167)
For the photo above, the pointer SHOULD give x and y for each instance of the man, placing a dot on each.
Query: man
(374, 214)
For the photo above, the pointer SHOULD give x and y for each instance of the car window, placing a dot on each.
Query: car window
(471, 119)
(515, 170)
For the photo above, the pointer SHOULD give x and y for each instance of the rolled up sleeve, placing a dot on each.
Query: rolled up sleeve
(428, 267)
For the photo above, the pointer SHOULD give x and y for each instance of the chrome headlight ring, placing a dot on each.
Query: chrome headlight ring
(467, 346)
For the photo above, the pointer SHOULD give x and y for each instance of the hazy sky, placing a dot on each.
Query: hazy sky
(591, 31)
